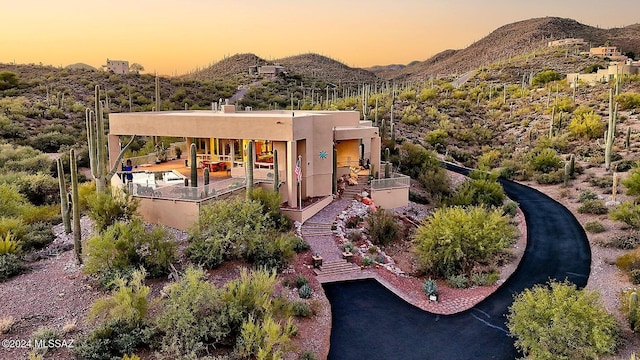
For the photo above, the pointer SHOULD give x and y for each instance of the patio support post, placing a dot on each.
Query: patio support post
(291, 157)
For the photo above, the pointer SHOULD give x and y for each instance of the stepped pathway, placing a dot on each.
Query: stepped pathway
(317, 232)
(351, 191)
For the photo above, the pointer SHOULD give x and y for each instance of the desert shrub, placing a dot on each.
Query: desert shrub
(9, 244)
(353, 222)
(11, 201)
(484, 279)
(601, 182)
(414, 158)
(545, 161)
(458, 281)
(367, 261)
(634, 276)
(430, 287)
(510, 208)
(624, 241)
(125, 245)
(596, 207)
(301, 280)
(128, 302)
(14, 227)
(588, 125)
(632, 181)
(629, 261)
(308, 355)
(305, 291)
(38, 236)
(555, 177)
(628, 101)
(264, 338)
(300, 245)
(594, 227)
(43, 336)
(271, 201)
(382, 227)
(482, 189)
(112, 340)
(105, 209)
(10, 265)
(540, 319)
(627, 212)
(224, 230)
(586, 195)
(272, 251)
(443, 247)
(437, 138)
(192, 315)
(46, 213)
(39, 189)
(624, 166)
(86, 191)
(435, 181)
(546, 76)
(300, 309)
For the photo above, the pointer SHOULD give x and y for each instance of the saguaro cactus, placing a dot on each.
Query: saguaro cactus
(276, 174)
(249, 169)
(64, 203)
(75, 202)
(97, 141)
(194, 165)
(627, 140)
(633, 311)
(611, 131)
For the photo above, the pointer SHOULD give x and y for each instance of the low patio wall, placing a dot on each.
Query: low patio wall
(307, 212)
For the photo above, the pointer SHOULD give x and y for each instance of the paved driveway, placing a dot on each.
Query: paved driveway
(370, 322)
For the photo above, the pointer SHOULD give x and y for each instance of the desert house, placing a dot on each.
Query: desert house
(307, 138)
(118, 66)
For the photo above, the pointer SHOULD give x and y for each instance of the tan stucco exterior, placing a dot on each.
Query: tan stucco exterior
(225, 133)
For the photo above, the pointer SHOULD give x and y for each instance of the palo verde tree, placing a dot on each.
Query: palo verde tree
(560, 321)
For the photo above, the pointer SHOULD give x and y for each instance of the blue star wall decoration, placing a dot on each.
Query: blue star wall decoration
(323, 154)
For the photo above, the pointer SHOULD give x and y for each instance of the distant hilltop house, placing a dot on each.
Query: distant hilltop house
(615, 69)
(118, 66)
(266, 70)
(610, 52)
(567, 41)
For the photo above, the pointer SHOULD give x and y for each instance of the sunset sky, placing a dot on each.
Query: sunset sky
(174, 37)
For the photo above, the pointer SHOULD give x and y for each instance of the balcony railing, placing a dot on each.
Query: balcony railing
(394, 181)
(181, 192)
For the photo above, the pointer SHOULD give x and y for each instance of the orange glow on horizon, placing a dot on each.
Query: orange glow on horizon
(173, 38)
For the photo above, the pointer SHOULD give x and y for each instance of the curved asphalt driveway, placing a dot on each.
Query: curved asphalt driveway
(370, 322)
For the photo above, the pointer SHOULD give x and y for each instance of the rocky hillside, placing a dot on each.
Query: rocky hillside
(233, 67)
(516, 39)
(322, 67)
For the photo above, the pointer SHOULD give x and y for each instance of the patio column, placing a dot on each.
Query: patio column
(375, 153)
(114, 149)
(292, 183)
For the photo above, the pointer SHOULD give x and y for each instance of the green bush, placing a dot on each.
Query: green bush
(510, 208)
(224, 231)
(481, 190)
(594, 227)
(624, 241)
(38, 236)
(629, 261)
(545, 161)
(300, 245)
(125, 245)
(305, 291)
(458, 281)
(105, 209)
(300, 309)
(588, 125)
(11, 201)
(430, 287)
(9, 245)
(382, 227)
(444, 248)
(271, 202)
(192, 316)
(272, 251)
(586, 195)
(632, 181)
(264, 339)
(484, 279)
(546, 76)
(112, 340)
(627, 212)
(127, 303)
(561, 322)
(555, 177)
(43, 336)
(367, 261)
(596, 207)
(10, 265)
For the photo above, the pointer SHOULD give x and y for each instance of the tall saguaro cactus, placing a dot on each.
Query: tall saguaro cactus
(97, 141)
(75, 202)
(611, 131)
(194, 166)
(249, 169)
(64, 203)
(276, 174)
